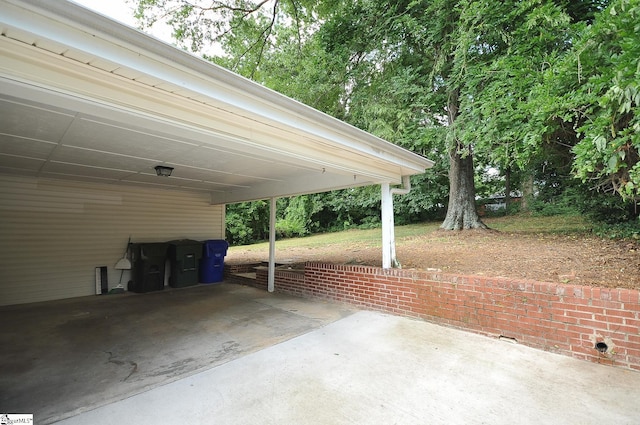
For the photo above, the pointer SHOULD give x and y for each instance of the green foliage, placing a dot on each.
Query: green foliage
(511, 58)
(349, 208)
(560, 206)
(244, 28)
(595, 91)
(607, 208)
(247, 222)
(549, 88)
(602, 208)
(427, 200)
(296, 219)
(626, 230)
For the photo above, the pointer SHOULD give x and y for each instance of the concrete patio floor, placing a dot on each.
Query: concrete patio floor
(229, 354)
(65, 357)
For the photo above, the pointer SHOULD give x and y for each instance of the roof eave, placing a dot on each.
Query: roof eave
(253, 96)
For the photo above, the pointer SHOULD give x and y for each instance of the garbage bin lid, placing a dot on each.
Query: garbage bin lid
(217, 243)
(152, 249)
(214, 246)
(185, 242)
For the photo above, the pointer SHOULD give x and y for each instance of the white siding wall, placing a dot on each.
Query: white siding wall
(54, 233)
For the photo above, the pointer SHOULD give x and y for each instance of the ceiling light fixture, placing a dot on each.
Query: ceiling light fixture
(163, 171)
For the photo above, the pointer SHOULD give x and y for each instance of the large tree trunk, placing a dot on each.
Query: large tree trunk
(527, 192)
(462, 212)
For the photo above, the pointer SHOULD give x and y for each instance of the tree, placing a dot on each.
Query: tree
(585, 110)
(199, 24)
(524, 39)
(247, 222)
(295, 60)
(456, 80)
(401, 62)
(599, 96)
(465, 67)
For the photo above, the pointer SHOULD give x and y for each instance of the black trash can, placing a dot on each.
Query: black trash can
(148, 266)
(184, 256)
(212, 262)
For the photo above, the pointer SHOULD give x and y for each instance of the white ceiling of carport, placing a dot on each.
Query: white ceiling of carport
(83, 97)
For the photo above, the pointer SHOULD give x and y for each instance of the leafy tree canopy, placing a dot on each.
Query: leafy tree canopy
(511, 85)
(595, 91)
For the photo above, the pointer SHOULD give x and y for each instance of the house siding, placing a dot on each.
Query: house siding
(54, 233)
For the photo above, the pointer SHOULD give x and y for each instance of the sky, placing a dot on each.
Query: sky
(123, 12)
(120, 10)
(116, 9)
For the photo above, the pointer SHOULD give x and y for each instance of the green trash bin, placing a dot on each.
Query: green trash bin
(148, 266)
(184, 256)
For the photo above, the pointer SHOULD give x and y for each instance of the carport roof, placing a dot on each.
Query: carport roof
(84, 97)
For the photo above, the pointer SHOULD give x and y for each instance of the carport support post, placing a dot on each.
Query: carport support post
(272, 245)
(388, 236)
(388, 226)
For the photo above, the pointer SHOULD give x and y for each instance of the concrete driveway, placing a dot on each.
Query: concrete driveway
(283, 360)
(65, 357)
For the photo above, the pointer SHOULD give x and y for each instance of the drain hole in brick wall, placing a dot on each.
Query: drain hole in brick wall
(602, 347)
(508, 339)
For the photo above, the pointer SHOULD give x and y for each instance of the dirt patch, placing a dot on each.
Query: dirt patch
(542, 257)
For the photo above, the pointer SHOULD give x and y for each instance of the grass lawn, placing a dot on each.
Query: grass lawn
(521, 223)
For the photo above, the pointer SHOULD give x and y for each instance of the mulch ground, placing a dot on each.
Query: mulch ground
(542, 257)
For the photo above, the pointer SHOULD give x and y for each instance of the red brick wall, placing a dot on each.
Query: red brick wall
(230, 269)
(287, 281)
(567, 319)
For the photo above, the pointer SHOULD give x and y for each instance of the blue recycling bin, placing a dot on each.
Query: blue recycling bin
(212, 261)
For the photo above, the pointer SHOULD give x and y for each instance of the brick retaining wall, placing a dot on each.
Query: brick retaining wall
(563, 318)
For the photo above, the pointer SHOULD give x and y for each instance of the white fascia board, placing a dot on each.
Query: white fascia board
(68, 24)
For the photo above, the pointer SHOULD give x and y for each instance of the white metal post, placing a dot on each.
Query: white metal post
(387, 227)
(272, 246)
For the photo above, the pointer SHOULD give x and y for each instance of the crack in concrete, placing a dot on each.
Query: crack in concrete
(122, 363)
